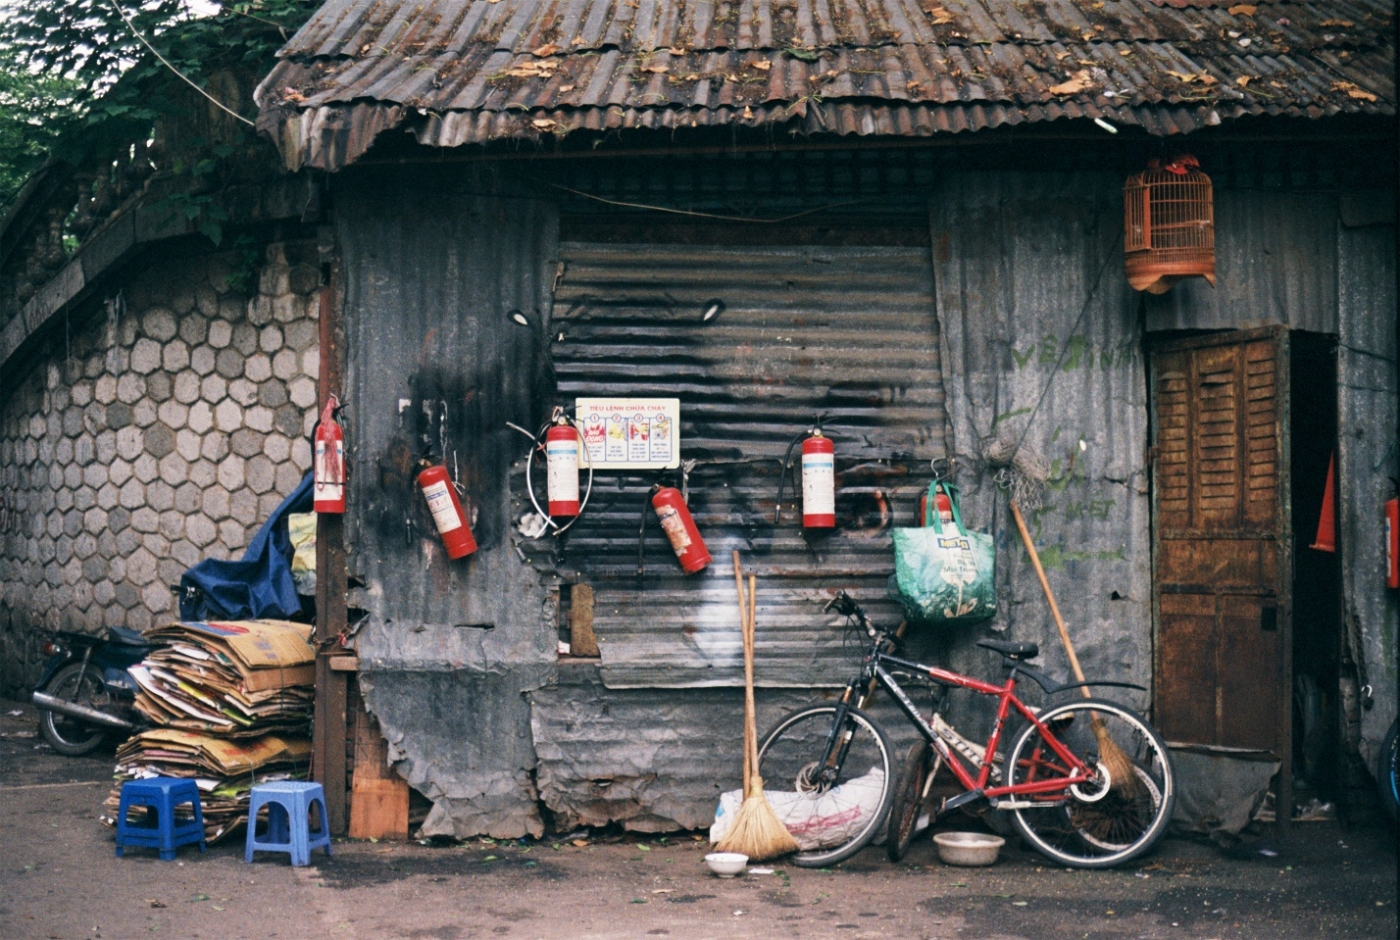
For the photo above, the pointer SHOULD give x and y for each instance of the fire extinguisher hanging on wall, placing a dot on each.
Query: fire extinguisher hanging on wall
(328, 486)
(561, 442)
(676, 521)
(818, 479)
(1392, 542)
(441, 494)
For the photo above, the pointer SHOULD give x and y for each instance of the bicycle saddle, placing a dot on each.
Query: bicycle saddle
(1011, 650)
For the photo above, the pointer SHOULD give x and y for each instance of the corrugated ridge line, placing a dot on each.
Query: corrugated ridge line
(630, 317)
(343, 27)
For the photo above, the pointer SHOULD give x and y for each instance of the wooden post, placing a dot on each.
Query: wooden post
(329, 733)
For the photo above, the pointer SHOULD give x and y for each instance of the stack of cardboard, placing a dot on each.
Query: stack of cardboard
(235, 679)
(232, 702)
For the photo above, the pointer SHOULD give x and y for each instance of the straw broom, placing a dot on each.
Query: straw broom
(1122, 775)
(757, 831)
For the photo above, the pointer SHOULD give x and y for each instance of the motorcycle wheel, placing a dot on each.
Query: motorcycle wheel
(72, 736)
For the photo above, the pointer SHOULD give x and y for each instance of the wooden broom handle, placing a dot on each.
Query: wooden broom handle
(1049, 596)
(750, 706)
(743, 632)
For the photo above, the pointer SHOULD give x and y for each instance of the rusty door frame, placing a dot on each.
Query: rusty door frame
(1283, 508)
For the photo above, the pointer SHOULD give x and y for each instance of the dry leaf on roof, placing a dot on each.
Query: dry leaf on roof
(657, 69)
(1243, 9)
(1244, 80)
(533, 69)
(544, 124)
(1061, 56)
(1353, 91)
(1077, 83)
(677, 50)
(565, 89)
(748, 113)
(1198, 78)
(1345, 24)
(548, 49)
(762, 65)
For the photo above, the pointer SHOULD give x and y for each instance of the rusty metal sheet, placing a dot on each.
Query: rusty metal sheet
(653, 760)
(432, 267)
(1367, 459)
(1276, 262)
(845, 330)
(1016, 259)
(469, 73)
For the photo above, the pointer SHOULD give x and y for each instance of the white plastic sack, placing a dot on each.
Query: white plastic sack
(816, 821)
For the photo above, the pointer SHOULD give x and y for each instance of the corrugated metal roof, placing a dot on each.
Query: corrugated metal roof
(460, 73)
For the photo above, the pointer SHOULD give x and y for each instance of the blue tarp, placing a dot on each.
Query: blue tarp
(257, 585)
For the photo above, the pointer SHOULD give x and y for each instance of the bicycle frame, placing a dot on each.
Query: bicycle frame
(874, 669)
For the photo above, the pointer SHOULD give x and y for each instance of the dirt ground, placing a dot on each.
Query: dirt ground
(59, 878)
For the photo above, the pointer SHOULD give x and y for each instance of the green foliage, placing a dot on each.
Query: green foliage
(91, 87)
(35, 111)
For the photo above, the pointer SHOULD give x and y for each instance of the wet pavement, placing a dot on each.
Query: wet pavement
(59, 878)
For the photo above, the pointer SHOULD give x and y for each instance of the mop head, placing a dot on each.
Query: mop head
(757, 831)
(1020, 469)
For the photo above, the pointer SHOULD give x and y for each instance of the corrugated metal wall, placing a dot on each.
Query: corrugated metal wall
(1275, 262)
(845, 330)
(431, 271)
(1367, 460)
(1017, 256)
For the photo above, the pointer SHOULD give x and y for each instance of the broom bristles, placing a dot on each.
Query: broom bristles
(1122, 775)
(757, 831)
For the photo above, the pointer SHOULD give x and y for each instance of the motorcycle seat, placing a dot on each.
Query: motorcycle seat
(1010, 649)
(124, 636)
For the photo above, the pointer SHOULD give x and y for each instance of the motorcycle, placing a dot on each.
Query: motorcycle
(86, 691)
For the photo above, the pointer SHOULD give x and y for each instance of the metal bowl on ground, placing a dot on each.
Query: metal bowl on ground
(726, 864)
(968, 848)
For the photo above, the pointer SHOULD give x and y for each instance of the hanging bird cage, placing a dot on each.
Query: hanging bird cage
(1168, 225)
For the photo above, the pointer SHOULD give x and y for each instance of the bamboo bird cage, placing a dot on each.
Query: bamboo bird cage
(1168, 225)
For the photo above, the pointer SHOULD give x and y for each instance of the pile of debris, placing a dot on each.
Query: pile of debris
(232, 705)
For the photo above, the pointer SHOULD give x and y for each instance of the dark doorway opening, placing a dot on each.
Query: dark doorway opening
(1316, 573)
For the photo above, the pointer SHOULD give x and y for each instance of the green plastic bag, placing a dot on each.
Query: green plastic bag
(945, 576)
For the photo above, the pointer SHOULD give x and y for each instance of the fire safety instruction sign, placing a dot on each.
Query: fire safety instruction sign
(631, 433)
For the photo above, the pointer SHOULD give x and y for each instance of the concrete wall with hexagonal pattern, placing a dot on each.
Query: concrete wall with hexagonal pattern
(160, 431)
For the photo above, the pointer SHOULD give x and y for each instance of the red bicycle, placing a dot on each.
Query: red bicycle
(1062, 798)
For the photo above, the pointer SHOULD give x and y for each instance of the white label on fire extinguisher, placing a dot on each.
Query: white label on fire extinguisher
(674, 528)
(330, 474)
(562, 458)
(440, 505)
(818, 485)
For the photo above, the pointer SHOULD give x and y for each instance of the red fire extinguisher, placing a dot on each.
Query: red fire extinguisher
(818, 479)
(447, 512)
(679, 527)
(329, 467)
(940, 501)
(561, 460)
(1392, 543)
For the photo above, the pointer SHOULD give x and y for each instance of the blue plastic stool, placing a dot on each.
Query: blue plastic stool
(159, 796)
(288, 828)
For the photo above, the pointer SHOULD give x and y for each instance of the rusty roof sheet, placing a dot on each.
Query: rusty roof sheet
(470, 72)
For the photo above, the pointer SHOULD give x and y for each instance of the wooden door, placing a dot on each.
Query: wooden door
(1221, 554)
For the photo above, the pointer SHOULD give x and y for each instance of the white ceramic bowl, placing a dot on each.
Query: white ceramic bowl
(726, 864)
(968, 848)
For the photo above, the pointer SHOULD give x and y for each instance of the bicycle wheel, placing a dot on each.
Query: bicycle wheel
(1386, 777)
(1101, 823)
(832, 807)
(907, 802)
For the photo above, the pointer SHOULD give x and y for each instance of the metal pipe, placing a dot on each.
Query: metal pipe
(74, 710)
